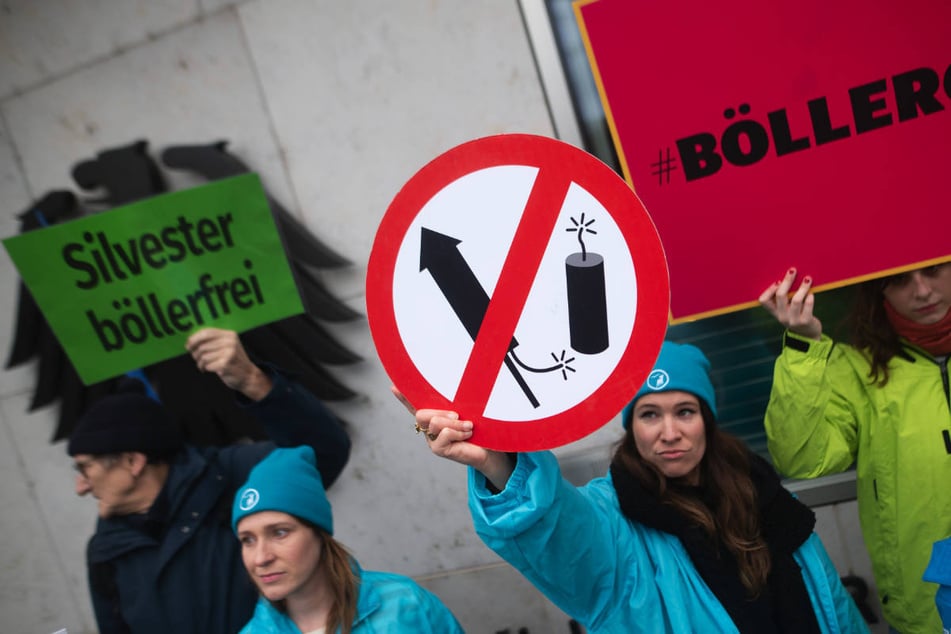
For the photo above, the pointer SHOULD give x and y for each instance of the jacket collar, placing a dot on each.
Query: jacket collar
(115, 537)
(268, 619)
(368, 600)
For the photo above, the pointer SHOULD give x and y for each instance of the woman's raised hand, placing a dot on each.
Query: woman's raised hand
(793, 311)
(448, 437)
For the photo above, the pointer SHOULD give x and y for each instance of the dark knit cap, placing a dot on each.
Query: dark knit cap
(126, 421)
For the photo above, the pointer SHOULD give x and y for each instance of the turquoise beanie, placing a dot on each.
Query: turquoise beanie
(287, 480)
(680, 366)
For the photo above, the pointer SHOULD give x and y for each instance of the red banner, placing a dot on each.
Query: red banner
(762, 135)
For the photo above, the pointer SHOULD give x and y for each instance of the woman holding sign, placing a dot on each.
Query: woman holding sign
(689, 532)
(881, 403)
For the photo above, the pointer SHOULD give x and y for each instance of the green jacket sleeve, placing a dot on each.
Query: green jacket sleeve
(814, 408)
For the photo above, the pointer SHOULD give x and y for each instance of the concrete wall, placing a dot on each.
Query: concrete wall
(336, 105)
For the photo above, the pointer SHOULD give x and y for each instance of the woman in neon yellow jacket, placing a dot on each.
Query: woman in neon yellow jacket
(881, 403)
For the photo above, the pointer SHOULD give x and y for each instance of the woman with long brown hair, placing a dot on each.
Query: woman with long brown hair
(308, 581)
(880, 402)
(689, 532)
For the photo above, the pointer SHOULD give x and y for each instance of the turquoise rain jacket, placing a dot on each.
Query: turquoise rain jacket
(824, 415)
(387, 603)
(613, 575)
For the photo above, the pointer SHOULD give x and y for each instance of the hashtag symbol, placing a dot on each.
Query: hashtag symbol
(663, 167)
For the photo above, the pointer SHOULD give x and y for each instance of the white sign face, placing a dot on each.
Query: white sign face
(509, 281)
(482, 211)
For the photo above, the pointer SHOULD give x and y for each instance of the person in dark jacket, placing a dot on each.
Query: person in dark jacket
(163, 557)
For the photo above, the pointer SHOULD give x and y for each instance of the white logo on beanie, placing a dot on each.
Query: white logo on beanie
(249, 499)
(658, 379)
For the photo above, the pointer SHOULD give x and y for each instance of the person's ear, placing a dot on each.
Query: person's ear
(135, 462)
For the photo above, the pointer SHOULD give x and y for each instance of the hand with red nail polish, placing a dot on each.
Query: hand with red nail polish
(793, 310)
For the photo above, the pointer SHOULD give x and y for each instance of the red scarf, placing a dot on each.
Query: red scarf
(935, 338)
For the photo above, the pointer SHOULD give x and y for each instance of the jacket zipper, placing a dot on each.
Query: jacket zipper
(944, 380)
(943, 368)
(947, 396)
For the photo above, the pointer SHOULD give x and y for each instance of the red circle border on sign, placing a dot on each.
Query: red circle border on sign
(640, 235)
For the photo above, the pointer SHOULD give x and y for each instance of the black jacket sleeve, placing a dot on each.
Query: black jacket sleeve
(105, 598)
(292, 416)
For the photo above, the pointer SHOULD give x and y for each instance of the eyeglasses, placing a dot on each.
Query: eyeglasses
(81, 467)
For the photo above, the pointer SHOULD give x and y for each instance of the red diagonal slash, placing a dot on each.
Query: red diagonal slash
(511, 291)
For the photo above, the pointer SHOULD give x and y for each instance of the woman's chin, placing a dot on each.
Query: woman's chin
(273, 594)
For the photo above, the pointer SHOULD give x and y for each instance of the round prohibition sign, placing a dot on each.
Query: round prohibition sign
(518, 281)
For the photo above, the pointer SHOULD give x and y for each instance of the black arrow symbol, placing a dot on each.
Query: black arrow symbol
(439, 255)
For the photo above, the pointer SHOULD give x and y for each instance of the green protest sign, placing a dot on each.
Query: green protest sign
(125, 288)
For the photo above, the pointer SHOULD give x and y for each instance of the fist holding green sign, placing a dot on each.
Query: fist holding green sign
(124, 289)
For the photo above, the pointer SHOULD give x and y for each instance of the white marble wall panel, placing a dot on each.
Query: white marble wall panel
(41, 40)
(364, 93)
(45, 527)
(193, 85)
(15, 200)
(515, 603)
(211, 6)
